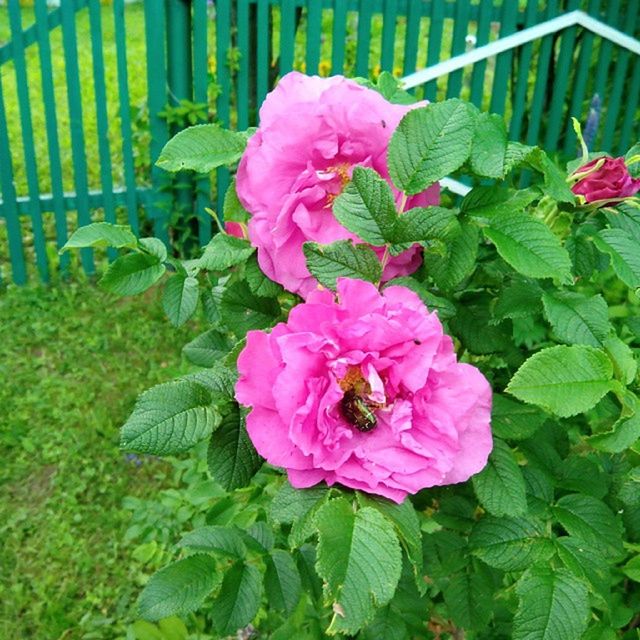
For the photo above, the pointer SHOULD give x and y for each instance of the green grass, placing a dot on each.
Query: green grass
(72, 360)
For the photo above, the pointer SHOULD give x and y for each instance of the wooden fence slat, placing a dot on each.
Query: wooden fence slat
(9, 202)
(263, 50)
(102, 118)
(338, 36)
(614, 101)
(363, 38)
(458, 45)
(287, 35)
(243, 42)
(314, 35)
(31, 167)
(200, 95)
(411, 36)
(581, 79)
(502, 71)
(74, 98)
(436, 25)
(606, 48)
(522, 81)
(223, 44)
(51, 125)
(482, 38)
(562, 71)
(630, 121)
(389, 20)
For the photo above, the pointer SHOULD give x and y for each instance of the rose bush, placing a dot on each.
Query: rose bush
(431, 413)
(376, 395)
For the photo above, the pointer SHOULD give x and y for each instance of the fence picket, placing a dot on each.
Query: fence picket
(436, 25)
(51, 125)
(223, 44)
(338, 36)
(411, 35)
(483, 30)
(263, 50)
(22, 91)
(502, 72)
(363, 38)
(458, 45)
(389, 20)
(314, 33)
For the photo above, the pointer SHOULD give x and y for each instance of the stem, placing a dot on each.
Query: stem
(403, 202)
(215, 219)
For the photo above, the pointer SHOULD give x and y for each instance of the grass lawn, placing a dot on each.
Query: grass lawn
(72, 360)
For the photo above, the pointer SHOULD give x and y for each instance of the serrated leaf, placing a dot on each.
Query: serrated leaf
(367, 207)
(627, 218)
(101, 234)
(583, 254)
(132, 274)
(555, 180)
(459, 258)
(625, 432)
(565, 380)
(513, 420)
(282, 581)
(632, 569)
(577, 318)
(500, 485)
(405, 520)
(485, 202)
(180, 298)
(179, 588)
(510, 544)
(259, 284)
(429, 143)
(154, 247)
(242, 311)
(341, 259)
(202, 148)
(215, 539)
(625, 365)
(468, 597)
(290, 504)
(231, 456)
(424, 225)
(591, 520)
(553, 605)
(359, 558)
(624, 252)
(585, 561)
(260, 537)
(529, 246)
(224, 251)
(238, 601)
(169, 418)
(207, 349)
(219, 380)
(387, 624)
(521, 299)
(489, 146)
(232, 209)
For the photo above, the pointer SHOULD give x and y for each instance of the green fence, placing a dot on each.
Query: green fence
(89, 94)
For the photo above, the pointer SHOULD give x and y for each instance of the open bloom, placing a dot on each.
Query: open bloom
(366, 391)
(312, 132)
(611, 180)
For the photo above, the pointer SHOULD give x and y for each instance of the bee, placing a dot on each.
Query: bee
(357, 411)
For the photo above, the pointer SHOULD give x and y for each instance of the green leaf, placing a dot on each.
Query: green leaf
(555, 180)
(231, 457)
(425, 224)
(565, 380)
(625, 365)
(259, 284)
(589, 519)
(529, 246)
(429, 143)
(154, 247)
(577, 318)
(359, 558)
(444, 307)
(219, 380)
(627, 218)
(207, 349)
(282, 581)
(625, 432)
(215, 539)
(367, 207)
(553, 605)
(485, 202)
(585, 561)
(102, 234)
(624, 251)
(513, 420)
(405, 520)
(510, 544)
(179, 588)
(232, 209)
(500, 485)
(169, 418)
(202, 148)
(632, 569)
(459, 258)
(242, 311)
(489, 146)
(132, 274)
(521, 299)
(387, 624)
(468, 597)
(238, 601)
(224, 251)
(341, 259)
(180, 298)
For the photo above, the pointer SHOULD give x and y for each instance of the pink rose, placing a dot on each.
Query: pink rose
(313, 131)
(365, 391)
(611, 180)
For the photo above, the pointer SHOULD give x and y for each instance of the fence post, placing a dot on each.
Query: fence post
(180, 87)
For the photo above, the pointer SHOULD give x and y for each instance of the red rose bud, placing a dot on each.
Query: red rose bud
(235, 229)
(610, 181)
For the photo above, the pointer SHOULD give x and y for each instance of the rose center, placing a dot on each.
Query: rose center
(337, 178)
(356, 406)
